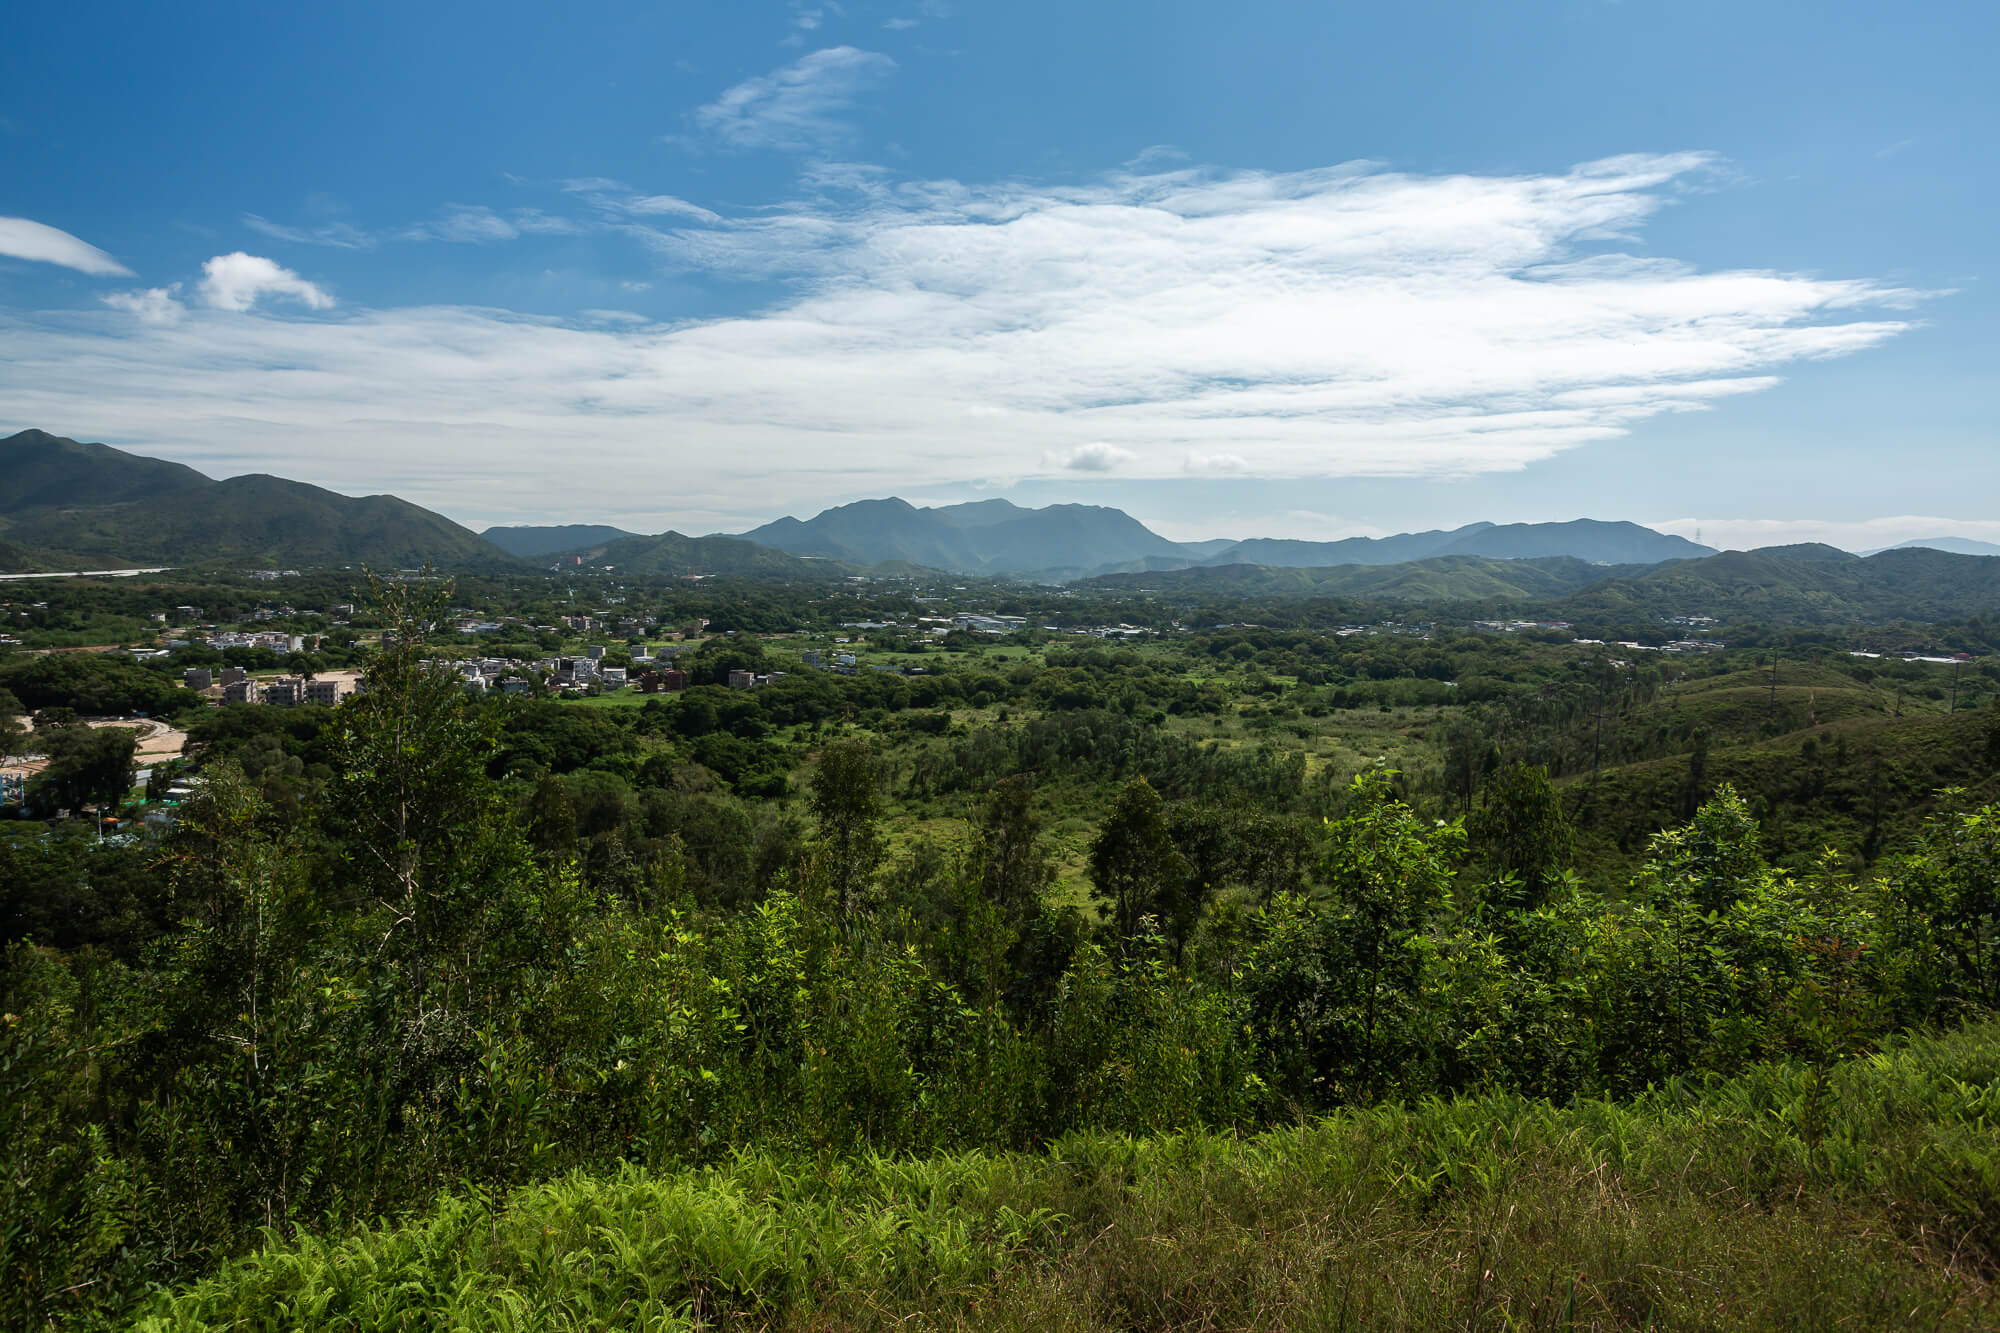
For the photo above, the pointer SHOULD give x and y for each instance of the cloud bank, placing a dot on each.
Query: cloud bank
(1339, 322)
(1866, 534)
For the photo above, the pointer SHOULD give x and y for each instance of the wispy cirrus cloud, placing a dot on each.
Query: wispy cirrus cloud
(616, 197)
(457, 224)
(339, 235)
(22, 238)
(467, 224)
(807, 19)
(797, 108)
(1341, 322)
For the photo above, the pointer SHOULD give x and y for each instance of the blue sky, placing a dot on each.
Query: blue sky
(1258, 269)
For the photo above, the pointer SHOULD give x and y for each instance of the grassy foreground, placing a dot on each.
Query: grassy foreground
(1865, 1196)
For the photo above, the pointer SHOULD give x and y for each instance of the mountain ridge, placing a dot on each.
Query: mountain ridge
(64, 503)
(531, 540)
(1066, 541)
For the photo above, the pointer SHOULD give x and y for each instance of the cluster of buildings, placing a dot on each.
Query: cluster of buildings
(651, 671)
(234, 685)
(481, 674)
(1517, 626)
(273, 640)
(843, 663)
(1930, 659)
(1677, 646)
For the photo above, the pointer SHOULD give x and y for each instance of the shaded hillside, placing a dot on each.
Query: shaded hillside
(1827, 764)
(550, 539)
(672, 553)
(38, 470)
(258, 519)
(18, 559)
(1068, 541)
(1286, 553)
(1599, 542)
(1451, 578)
(100, 506)
(985, 537)
(1591, 540)
(1774, 586)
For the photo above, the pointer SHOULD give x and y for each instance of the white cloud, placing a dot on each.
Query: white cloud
(899, 24)
(654, 205)
(534, 222)
(1096, 456)
(340, 235)
(238, 281)
(1866, 534)
(621, 200)
(22, 239)
(469, 224)
(153, 305)
(1332, 323)
(461, 224)
(797, 108)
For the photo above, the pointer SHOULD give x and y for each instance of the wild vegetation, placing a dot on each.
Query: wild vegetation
(1249, 976)
(1729, 1204)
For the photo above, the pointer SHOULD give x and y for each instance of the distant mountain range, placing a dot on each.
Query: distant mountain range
(1809, 584)
(672, 553)
(1806, 584)
(552, 539)
(1951, 545)
(1059, 542)
(1438, 579)
(68, 505)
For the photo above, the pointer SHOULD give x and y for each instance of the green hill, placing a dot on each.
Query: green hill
(533, 540)
(1446, 578)
(1825, 763)
(18, 559)
(39, 470)
(672, 553)
(94, 505)
(1815, 585)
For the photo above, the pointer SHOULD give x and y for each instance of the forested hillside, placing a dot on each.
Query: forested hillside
(68, 505)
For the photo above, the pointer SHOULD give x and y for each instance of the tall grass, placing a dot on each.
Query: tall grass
(1775, 1200)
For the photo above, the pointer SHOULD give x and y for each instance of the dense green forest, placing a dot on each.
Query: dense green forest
(841, 996)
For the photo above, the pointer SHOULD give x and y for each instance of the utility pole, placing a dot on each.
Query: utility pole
(1956, 667)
